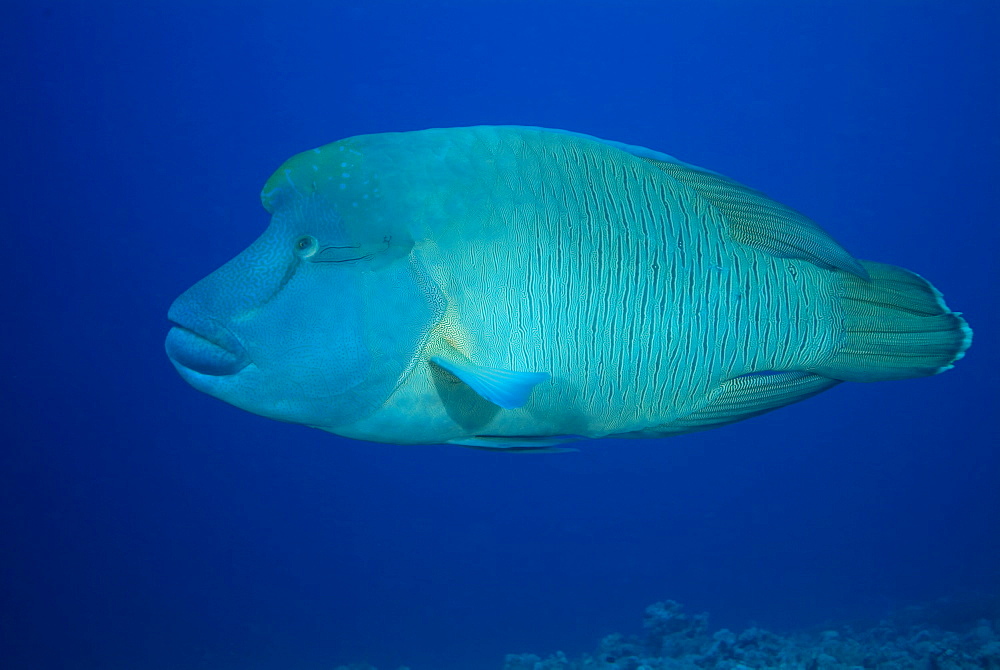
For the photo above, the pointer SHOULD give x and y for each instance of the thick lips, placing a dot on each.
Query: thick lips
(200, 344)
(194, 352)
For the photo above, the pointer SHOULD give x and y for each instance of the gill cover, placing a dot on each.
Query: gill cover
(353, 276)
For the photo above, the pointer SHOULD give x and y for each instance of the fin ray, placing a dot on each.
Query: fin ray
(745, 397)
(896, 326)
(506, 388)
(754, 219)
(758, 221)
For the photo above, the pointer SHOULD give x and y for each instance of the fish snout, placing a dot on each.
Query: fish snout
(200, 344)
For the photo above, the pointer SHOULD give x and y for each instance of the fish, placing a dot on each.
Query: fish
(520, 289)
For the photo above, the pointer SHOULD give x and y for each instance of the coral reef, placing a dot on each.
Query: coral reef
(674, 640)
(913, 639)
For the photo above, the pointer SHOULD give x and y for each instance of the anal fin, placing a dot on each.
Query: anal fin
(747, 396)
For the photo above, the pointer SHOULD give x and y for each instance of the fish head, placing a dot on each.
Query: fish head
(318, 321)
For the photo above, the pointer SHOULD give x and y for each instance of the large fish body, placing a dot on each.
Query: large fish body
(516, 288)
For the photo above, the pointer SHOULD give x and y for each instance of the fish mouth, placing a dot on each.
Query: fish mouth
(218, 354)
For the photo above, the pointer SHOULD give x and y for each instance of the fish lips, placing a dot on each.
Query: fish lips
(202, 346)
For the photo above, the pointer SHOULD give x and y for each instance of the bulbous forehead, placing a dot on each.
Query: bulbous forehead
(361, 184)
(336, 171)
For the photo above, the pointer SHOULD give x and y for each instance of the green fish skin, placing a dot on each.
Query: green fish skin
(518, 288)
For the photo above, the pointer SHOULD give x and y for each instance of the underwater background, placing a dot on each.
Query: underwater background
(145, 525)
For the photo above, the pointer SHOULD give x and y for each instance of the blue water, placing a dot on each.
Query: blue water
(145, 525)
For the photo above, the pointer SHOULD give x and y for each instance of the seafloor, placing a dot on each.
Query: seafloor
(947, 635)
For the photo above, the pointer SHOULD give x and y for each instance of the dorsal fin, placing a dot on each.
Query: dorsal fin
(757, 221)
(754, 219)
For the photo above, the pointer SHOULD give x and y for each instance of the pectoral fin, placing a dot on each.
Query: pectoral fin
(506, 388)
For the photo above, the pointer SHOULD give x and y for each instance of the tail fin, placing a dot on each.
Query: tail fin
(897, 326)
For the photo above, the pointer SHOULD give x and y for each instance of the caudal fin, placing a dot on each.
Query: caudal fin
(897, 326)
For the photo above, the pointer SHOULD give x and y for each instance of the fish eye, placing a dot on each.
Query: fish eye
(306, 246)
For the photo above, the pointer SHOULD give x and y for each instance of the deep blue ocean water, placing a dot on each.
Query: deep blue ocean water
(144, 525)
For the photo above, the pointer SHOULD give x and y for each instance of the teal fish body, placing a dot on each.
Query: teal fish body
(519, 288)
